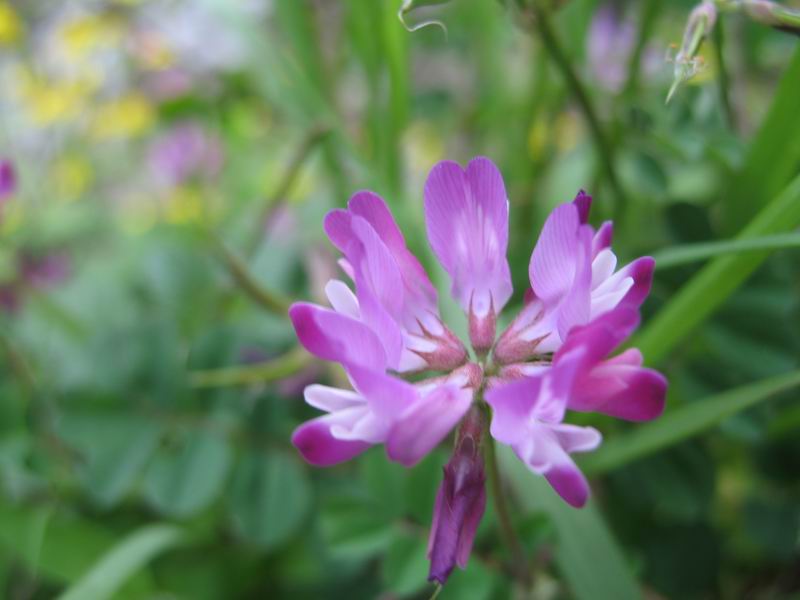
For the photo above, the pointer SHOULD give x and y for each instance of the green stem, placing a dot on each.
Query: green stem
(503, 516)
(649, 13)
(603, 147)
(723, 81)
(272, 301)
(310, 141)
(287, 365)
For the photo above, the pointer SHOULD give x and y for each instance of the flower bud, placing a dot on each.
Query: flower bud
(460, 502)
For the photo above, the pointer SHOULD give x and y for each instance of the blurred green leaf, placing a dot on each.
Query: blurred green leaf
(704, 293)
(270, 498)
(113, 448)
(183, 482)
(682, 423)
(586, 553)
(772, 157)
(353, 529)
(405, 569)
(676, 256)
(122, 562)
(66, 547)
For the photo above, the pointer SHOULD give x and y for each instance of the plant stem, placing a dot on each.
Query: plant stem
(647, 19)
(309, 142)
(285, 366)
(272, 301)
(603, 147)
(503, 516)
(723, 81)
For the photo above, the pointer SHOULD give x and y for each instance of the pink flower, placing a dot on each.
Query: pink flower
(552, 358)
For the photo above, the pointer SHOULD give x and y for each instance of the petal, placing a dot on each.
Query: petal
(427, 423)
(469, 528)
(331, 399)
(555, 256)
(511, 408)
(621, 388)
(600, 336)
(388, 397)
(569, 482)
(583, 202)
(342, 299)
(575, 308)
(336, 337)
(641, 271)
(573, 438)
(314, 441)
(466, 214)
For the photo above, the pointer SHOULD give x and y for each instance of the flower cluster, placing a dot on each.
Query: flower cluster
(553, 357)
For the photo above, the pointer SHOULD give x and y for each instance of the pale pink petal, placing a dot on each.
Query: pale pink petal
(427, 423)
(342, 299)
(511, 408)
(466, 214)
(641, 271)
(331, 399)
(555, 257)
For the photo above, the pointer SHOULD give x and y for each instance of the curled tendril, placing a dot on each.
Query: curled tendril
(407, 7)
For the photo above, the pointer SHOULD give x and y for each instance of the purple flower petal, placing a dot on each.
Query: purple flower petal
(466, 213)
(314, 441)
(8, 179)
(427, 423)
(336, 337)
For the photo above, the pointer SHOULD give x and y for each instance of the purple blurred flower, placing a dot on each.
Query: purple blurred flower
(611, 41)
(38, 271)
(551, 359)
(8, 180)
(186, 151)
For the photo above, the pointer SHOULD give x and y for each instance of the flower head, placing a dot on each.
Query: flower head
(552, 358)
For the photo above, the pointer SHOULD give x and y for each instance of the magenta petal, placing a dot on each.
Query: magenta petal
(641, 271)
(427, 423)
(466, 214)
(583, 202)
(315, 443)
(600, 336)
(568, 481)
(336, 337)
(621, 388)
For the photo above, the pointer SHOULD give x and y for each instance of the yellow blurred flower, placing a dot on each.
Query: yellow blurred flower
(128, 116)
(83, 35)
(424, 146)
(48, 102)
(184, 205)
(11, 28)
(72, 176)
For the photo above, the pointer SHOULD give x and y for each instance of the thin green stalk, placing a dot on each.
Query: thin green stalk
(287, 365)
(647, 20)
(678, 256)
(272, 301)
(503, 515)
(314, 137)
(723, 80)
(603, 147)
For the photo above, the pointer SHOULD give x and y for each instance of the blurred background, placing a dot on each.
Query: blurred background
(168, 166)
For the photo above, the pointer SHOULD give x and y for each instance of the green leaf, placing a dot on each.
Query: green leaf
(59, 547)
(123, 561)
(773, 155)
(683, 423)
(115, 449)
(707, 290)
(405, 569)
(270, 498)
(586, 553)
(676, 256)
(190, 479)
(353, 529)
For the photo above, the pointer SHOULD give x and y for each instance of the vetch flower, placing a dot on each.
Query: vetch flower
(8, 180)
(552, 358)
